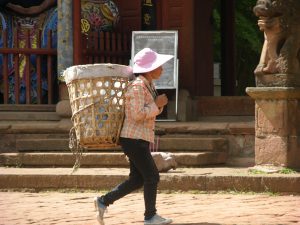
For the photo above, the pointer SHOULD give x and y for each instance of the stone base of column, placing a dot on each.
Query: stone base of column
(277, 125)
(278, 80)
(63, 108)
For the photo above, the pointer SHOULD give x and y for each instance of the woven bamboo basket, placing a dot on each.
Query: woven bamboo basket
(96, 95)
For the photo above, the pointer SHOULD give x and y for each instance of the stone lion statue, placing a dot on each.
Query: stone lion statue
(280, 22)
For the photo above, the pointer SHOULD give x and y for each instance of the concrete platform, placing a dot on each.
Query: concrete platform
(200, 179)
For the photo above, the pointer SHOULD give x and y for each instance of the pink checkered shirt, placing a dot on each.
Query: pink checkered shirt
(140, 111)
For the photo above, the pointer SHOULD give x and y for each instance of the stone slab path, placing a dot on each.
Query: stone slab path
(76, 208)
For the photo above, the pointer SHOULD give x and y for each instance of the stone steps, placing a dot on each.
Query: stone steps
(27, 113)
(192, 143)
(223, 106)
(195, 143)
(181, 179)
(35, 127)
(166, 143)
(46, 143)
(103, 159)
(29, 116)
(44, 150)
(40, 148)
(28, 108)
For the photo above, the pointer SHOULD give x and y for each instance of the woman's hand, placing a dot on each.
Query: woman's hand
(161, 100)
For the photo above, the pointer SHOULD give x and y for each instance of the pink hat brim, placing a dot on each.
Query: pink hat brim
(159, 61)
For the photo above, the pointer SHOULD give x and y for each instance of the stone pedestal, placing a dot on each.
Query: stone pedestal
(63, 107)
(277, 125)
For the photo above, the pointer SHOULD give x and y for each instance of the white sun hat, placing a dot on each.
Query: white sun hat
(147, 60)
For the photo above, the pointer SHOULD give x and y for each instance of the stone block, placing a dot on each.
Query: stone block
(271, 150)
(241, 145)
(7, 143)
(184, 106)
(63, 91)
(224, 106)
(193, 144)
(270, 116)
(293, 159)
(277, 116)
(58, 144)
(63, 109)
(28, 116)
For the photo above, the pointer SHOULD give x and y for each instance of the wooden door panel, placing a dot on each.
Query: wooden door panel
(130, 15)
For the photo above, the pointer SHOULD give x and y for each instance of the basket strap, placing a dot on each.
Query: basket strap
(151, 89)
(154, 146)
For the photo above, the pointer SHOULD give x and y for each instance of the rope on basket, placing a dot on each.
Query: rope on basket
(76, 149)
(74, 144)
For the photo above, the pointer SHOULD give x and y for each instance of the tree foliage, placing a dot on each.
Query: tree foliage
(248, 42)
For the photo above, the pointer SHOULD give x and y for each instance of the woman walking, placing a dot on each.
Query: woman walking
(142, 105)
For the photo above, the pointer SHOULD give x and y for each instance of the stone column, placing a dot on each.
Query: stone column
(277, 126)
(64, 35)
(64, 57)
(277, 95)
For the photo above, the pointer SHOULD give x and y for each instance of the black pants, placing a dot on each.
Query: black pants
(143, 172)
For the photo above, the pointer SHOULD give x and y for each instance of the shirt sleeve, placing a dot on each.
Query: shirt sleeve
(140, 110)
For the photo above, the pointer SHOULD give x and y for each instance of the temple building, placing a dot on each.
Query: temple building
(40, 39)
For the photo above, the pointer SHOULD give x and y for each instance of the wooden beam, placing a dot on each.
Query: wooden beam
(77, 44)
(228, 77)
(202, 84)
(34, 51)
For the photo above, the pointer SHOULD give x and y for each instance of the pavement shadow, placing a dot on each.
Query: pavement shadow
(182, 171)
(196, 224)
(172, 171)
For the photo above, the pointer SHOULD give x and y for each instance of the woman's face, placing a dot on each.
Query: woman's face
(155, 74)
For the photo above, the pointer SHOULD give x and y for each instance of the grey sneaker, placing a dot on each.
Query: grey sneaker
(100, 208)
(157, 220)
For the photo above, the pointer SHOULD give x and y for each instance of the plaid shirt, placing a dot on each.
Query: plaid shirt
(140, 111)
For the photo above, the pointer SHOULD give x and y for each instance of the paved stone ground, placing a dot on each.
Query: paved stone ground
(76, 208)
